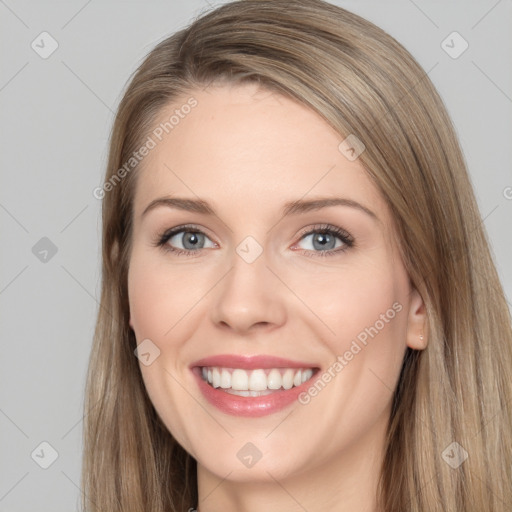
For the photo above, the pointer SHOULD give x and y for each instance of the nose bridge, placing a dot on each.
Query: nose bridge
(248, 294)
(249, 275)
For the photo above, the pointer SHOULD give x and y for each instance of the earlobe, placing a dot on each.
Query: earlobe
(417, 334)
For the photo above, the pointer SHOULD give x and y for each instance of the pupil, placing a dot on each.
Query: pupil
(323, 239)
(191, 238)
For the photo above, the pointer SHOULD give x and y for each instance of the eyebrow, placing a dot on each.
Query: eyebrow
(290, 208)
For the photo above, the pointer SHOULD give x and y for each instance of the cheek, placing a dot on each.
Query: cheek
(159, 298)
(365, 310)
(146, 303)
(354, 297)
(157, 303)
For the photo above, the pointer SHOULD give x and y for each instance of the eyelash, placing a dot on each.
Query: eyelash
(344, 236)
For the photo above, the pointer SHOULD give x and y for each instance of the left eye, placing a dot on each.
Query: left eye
(322, 241)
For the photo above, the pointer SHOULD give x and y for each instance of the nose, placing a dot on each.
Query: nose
(250, 297)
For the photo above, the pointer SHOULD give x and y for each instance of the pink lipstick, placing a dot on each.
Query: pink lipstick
(252, 386)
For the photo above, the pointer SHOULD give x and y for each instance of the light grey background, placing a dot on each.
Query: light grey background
(56, 118)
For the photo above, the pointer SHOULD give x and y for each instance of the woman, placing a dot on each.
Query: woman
(293, 252)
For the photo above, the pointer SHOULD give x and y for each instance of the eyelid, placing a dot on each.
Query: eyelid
(326, 228)
(169, 233)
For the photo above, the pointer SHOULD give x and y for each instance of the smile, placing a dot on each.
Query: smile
(252, 386)
(253, 383)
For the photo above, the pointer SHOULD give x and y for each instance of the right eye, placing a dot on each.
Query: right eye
(184, 240)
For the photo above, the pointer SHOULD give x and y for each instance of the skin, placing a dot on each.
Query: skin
(247, 151)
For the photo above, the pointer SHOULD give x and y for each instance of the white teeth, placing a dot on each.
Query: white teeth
(256, 382)
(288, 379)
(225, 379)
(274, 380)
(215, 378)
(239, 380)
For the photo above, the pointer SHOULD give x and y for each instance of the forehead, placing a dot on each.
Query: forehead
(248, 148)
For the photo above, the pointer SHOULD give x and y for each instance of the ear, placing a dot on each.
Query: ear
(417, 334)
(130, 323)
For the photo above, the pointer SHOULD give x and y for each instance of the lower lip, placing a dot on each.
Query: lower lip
(246, 405)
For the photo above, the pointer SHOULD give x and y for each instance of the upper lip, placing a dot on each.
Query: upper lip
(250, 362)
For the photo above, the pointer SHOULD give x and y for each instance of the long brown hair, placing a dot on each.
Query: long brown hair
(362, 82)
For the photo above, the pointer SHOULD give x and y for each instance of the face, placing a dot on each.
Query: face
(264, 255)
